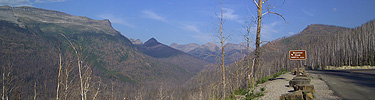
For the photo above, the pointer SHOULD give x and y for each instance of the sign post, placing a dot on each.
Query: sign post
(297, 55)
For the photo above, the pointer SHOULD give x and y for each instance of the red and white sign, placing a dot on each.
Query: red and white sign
(297, 54)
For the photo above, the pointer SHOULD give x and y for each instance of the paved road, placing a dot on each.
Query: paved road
(350, 84)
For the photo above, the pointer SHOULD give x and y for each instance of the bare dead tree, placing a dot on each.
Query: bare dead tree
(97, 90)
(84, 74)
(247, 57)
(260, 15)
(60, 70)
(35, 91)
(222, 39)
(161, 93)
(87, 80)
(67, 78)
(8, 79)
(96, 93)
(222, 45)
(140, 94)
(79, 64)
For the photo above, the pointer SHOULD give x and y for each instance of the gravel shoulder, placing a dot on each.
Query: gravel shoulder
(322, 91)
(275, 88)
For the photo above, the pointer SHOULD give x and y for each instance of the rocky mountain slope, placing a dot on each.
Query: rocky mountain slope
(22, 15)
(156, 49)
(31, 39)
(136, 42)
(209, 51)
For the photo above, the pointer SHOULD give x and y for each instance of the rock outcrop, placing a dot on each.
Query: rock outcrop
(28, 15)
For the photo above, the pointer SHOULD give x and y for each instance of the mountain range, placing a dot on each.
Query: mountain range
(156, 49)
(46, 54)
(32, 40)
(210, 51)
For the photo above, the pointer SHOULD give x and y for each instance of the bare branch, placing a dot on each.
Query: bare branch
(35, 92)
(97, 90)
(269, 11)
(59, 74)
(251, 13)
(279, 15)
(256, 3)
(265, 1)
(71, 44)
(265, 13)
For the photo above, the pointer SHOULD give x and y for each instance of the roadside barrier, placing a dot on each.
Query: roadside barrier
(348, 67)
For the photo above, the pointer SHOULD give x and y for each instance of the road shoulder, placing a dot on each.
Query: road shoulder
(323, 92)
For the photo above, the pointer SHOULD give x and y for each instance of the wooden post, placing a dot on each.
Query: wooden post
(297, 55)
(297, 74)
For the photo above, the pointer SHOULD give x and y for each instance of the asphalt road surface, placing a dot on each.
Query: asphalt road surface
(350, 84)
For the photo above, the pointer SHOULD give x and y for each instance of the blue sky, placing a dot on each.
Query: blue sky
(195, 21)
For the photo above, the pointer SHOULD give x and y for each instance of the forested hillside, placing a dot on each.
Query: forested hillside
(48, 54)
(326, 45)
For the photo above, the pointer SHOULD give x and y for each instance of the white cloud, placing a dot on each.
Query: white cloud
(308, 12)
(116, 19)
(17, 3)
(184, 26)
(334, 9)
(48, 1)
(192, 28)
(268, 31)
(229, 14)
(153, 15)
